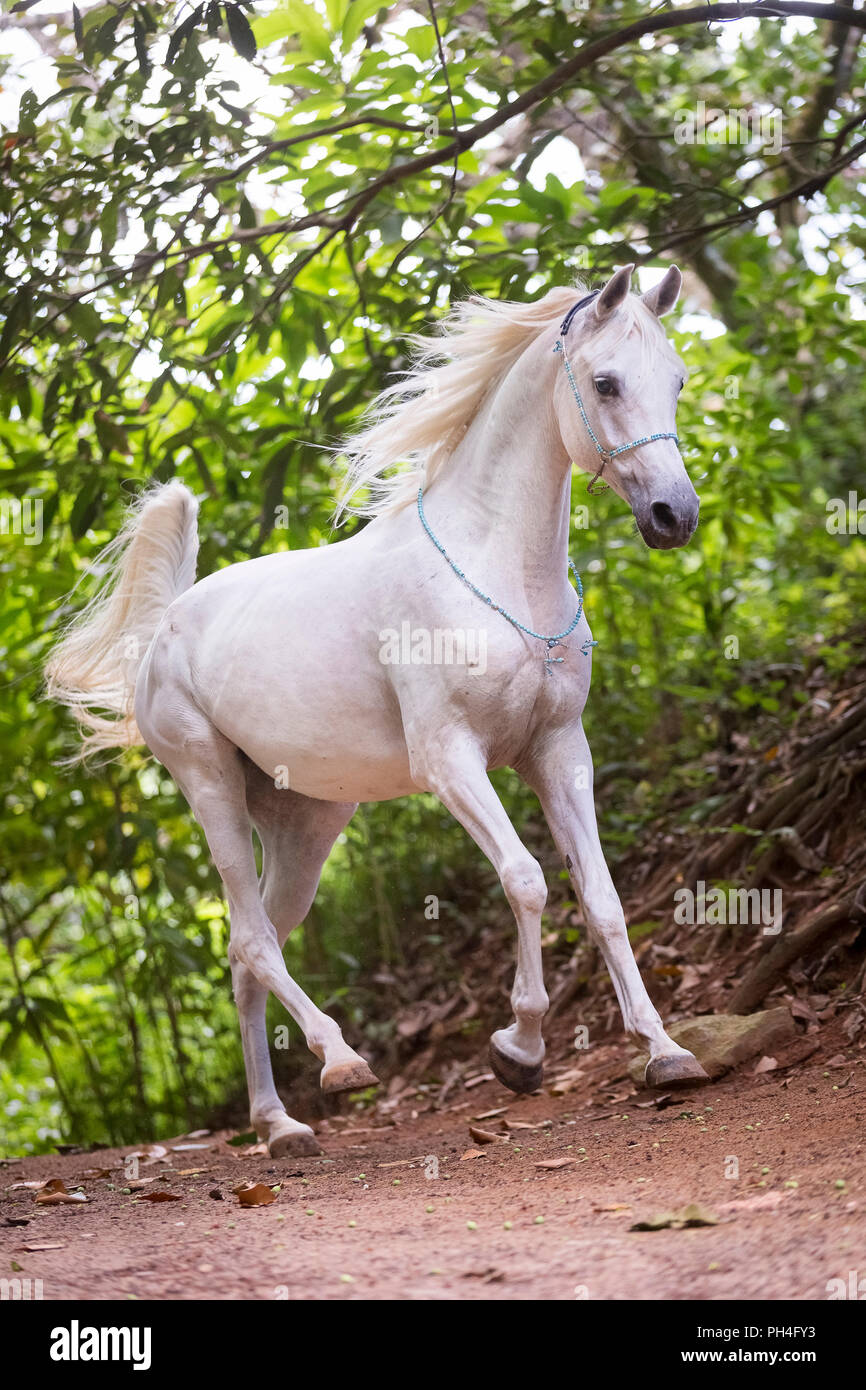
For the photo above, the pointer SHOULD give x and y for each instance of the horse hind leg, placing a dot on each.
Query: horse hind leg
(211, 773)
(268, 1115)
(297, 834)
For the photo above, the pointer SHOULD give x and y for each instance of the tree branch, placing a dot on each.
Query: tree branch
(558, 78)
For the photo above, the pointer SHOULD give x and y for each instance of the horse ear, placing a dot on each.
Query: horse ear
(614, 292)
(663, 296)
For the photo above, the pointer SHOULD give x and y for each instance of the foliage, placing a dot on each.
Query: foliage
(218, 224)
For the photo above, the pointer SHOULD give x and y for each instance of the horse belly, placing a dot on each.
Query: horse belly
(325, 766)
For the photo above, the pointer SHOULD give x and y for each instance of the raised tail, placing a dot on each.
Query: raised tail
(149, 563)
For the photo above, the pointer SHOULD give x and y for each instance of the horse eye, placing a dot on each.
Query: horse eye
(680, 387)
(604, 386)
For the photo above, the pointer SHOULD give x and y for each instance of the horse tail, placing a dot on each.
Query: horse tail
(94, 666)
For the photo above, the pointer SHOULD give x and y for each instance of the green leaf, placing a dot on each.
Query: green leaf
(240, 33)
(85, 508)
(140, 41)
(359, 12)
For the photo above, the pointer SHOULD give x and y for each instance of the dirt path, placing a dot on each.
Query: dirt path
(367, 1222)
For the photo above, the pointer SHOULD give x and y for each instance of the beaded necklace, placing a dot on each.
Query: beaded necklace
(550, 642)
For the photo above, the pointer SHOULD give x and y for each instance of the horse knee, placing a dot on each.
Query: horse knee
(525, 886)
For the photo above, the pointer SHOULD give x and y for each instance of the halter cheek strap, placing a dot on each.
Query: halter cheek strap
(605, 454)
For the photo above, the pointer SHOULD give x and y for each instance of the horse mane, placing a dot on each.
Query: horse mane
(412, 427)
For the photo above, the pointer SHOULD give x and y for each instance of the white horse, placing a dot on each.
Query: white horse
(272, 696)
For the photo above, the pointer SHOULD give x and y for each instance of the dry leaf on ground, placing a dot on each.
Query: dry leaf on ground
(484, 1136)
(54, 1194)
(692, 1215)
(255, 1195)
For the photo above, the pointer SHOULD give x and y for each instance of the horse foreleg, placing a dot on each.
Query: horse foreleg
(457, 774)
(560, 772)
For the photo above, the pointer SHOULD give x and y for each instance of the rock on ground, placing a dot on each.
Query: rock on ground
(723, 1041)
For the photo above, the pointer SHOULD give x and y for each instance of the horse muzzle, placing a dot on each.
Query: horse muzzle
(665, 526)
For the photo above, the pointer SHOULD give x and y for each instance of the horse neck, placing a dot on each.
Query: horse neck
(507, 486)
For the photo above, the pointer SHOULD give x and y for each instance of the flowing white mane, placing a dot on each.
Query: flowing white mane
(413, 426)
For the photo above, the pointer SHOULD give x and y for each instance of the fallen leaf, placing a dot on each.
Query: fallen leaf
(801, 1008)
(492, 1114)
(566, 1081)
(764, 1064)
(250, 1151)
(184, 1148)
(555, 1162)
(255, 1195)
(472, 1153)
(54, 1194)
(477, 1080)
(484, 1136)
(692, 1215)
(158, 1197)
(46, 1245)
(657, 1102)
(151, 1153)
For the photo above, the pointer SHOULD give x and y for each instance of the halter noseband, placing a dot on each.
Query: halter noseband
(606, 454)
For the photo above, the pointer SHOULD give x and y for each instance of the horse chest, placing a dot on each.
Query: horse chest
(515, 700)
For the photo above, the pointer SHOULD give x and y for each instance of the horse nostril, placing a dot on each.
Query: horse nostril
(663, 517)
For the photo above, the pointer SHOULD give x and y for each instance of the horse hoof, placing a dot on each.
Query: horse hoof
(347, 1076)
(517, 1076)
(682, 1069)
(294, 1143)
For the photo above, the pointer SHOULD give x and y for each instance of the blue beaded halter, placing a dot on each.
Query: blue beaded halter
(605, 454)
